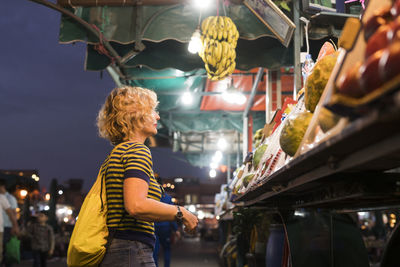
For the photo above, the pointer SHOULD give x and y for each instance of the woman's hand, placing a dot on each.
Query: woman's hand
(190, 221)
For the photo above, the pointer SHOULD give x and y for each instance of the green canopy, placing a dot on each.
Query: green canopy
(152, 44)
(162, 33)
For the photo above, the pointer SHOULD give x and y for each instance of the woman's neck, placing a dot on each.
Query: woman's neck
(138, 138)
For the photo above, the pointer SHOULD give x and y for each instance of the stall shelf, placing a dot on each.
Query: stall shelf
(347, 167)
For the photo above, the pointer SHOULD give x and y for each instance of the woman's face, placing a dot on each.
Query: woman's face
(150, 126)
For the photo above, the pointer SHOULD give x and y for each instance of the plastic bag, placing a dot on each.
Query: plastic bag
(12, 253)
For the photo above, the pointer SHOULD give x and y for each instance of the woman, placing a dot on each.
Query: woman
(126, 119)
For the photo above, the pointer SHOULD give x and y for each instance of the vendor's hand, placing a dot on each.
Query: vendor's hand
(51, 252)
(190, 221)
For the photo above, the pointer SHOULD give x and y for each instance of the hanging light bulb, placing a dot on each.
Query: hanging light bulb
(213, 173)
(187, 98)
(240, 98)
(202, 4)
(222, 144)
(217, 156)
(195, 42)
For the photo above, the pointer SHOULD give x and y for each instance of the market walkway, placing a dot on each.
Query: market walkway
(192, 252)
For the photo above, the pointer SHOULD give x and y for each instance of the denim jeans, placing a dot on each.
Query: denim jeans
(127, 253)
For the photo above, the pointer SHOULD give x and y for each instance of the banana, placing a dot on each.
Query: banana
(232, 53)
(227, 22)
(225, 48)
(230, 34)
(204, 25)
(222, 63)
(220, 34)
(219, 52)
(223, 74)
(232, 67)
(221, 22)
(229, 52)
(207, 69)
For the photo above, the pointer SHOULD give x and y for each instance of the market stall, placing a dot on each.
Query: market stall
(334, 151)
(336, 144)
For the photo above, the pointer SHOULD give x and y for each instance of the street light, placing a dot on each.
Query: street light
(23, 193)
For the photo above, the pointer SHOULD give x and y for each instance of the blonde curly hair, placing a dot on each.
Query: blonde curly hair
(126, 108)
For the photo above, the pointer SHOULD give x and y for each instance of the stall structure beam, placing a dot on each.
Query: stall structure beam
(250, 101)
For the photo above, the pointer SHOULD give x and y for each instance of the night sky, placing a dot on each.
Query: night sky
(48, 103)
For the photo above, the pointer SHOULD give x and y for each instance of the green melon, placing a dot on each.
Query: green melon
(317, 80)
(293, 131)
(327, 119)
(258, 155)
(247, 179)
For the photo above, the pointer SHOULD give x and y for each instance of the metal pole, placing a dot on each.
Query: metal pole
(253, 92)
(114, 75)
(297, 47)
(245, 136)
(238, 150)
(247, 109)
(268, 98)
(278, 89)
(228, 176)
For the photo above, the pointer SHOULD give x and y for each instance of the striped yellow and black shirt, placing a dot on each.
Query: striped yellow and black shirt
(129, 160)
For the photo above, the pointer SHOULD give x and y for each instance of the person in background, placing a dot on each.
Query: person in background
(42, 240)
(164, 230)
(127, 118)
(6, 220)
(5, 206)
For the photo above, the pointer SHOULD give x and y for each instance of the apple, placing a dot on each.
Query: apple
(379, 40)
(389, 64)
(370, 78)
(349, 82)
(379, 18)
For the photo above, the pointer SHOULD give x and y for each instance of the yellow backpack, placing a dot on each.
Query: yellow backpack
(89, 237)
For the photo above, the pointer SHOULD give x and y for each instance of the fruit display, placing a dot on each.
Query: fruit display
(316, 82)
(247, 179)
(258, 136)
(327, 119)
(219, 38)
(381, 61)
(293, 132)
(258, 154)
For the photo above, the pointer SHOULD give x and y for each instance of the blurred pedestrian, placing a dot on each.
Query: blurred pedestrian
(164, 232)
(5, 206)
(127, 119)
(9, 194)
(42, 240)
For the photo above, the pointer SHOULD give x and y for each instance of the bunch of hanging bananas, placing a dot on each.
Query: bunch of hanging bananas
(219, 39)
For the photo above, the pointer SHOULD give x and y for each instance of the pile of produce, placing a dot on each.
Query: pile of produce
(258, 136)
(219, 38)
(318, 79)
(293, 132)
(382, 55)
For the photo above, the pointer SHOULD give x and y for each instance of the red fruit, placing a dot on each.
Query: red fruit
(389, 64)
(395, 10)
(379, 40)
(349, 82)
(370, 78)
(380, 17)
